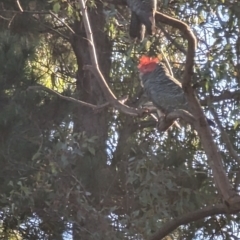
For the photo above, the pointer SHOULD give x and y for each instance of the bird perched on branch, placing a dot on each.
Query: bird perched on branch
(142, 15)
(162, 89)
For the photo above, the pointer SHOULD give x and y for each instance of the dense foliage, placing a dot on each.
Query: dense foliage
(70, 172)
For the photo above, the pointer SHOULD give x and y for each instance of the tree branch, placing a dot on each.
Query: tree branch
(97, 72)
(226, 95)
(19, 5)
(214, 157)
(63, 97)
(188, 34)
(225, 137)
(190, 217)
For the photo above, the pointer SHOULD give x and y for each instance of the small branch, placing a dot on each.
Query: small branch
(167, 62)
(192, 43)
(110, 96)
(88, 30)
(54, 15)
(190, 217)
(226, 95)
(70, 99)
(225, 137)
(173, 41)
(97, 72)
(64, 97)
(25, 11)
(19, 5)
(214, 157)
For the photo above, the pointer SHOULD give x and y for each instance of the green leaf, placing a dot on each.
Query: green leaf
(56, 7)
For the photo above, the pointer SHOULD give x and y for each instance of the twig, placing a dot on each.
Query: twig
(70, 99)
(226, 95)
(10, 22)
(19, 5)
(167, 62)
(225, 137)
(173, 41)
(63, 97)
(110, 96)
(65, 24)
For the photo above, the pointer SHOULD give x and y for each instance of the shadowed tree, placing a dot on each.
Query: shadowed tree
(75, 163)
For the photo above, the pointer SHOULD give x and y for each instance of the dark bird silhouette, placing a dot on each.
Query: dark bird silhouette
(142, 17)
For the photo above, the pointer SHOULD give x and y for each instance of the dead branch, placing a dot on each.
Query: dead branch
(190, 217)
(19, 5)
(173, 41)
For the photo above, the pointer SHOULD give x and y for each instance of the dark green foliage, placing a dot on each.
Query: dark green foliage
(66, 170)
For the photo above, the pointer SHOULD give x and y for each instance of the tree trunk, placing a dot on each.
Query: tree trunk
(85, 119)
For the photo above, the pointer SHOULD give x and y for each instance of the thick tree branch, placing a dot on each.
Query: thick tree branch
(97, 72)
(188, 34)
(200, 125)
(190, 217)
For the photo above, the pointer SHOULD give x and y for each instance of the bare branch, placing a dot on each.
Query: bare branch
(167, 62)
(70, 99)
(225, 137)
(173, 41)
(19, 5)
(54, 15)
(190, 217)
(63, 97)
(110, 96)
(226, 95)
(97, 72)
(25, 11)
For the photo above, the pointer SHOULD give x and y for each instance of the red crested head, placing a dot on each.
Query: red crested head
(147, 64)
